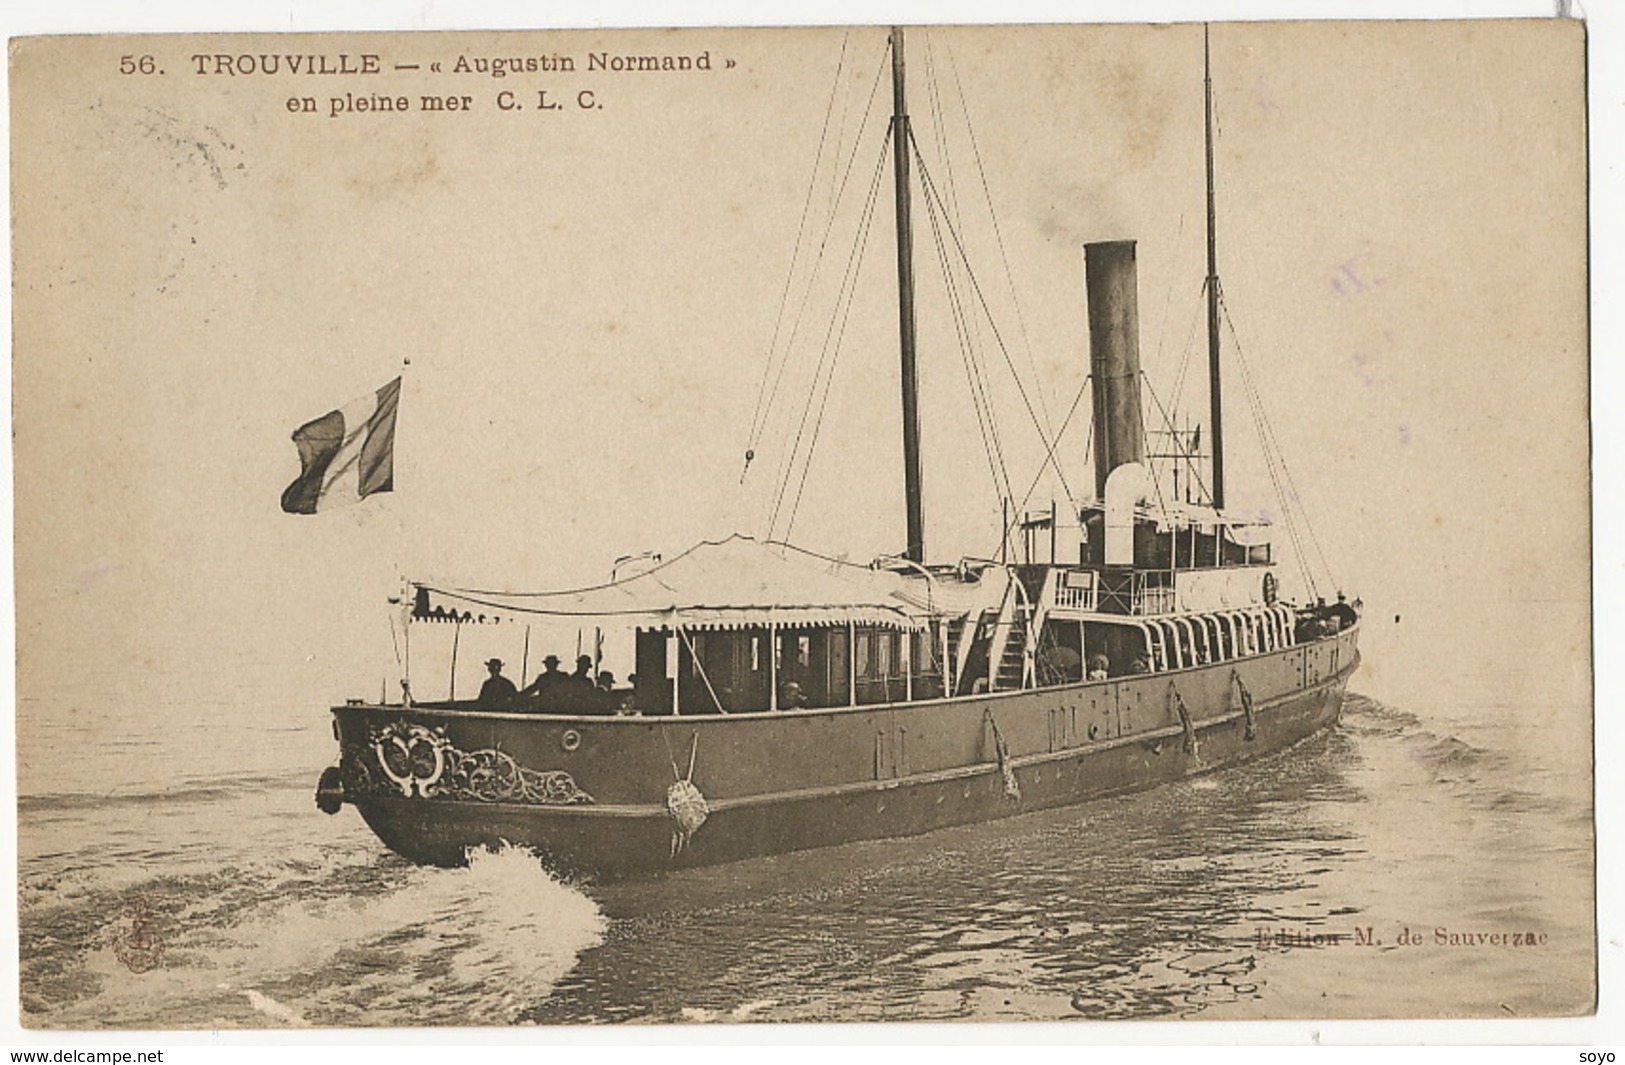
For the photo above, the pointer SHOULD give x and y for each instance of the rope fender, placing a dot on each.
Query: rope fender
(1251, 731)
(685, 804)
(1177, 703)
(1001, 753)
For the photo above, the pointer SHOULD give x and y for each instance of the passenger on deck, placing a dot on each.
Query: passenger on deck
(1344, 614)
(581, 683)
(498, 692)
(1100, 667)
(791, 697)
(605, 698)
(1139, 665)
(575, 693)
(544, 692)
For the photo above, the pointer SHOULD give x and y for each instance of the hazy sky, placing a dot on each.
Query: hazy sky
(588, 298)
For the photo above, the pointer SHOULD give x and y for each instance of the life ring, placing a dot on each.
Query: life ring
(1271, 589)
(571, 740)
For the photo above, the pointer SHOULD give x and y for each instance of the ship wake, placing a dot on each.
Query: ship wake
(302, 940)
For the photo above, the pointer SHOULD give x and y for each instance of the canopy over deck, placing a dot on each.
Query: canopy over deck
(737, 583)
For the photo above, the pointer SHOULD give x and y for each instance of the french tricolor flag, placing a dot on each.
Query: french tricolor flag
(347, 454)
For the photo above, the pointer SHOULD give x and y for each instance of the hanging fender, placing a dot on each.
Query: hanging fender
(1176, 703)
(1250, 731)
(685, 804)
(1001, 754)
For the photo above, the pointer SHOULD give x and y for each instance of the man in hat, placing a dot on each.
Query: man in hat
(543, 693)
(580, 694)
(498, 692)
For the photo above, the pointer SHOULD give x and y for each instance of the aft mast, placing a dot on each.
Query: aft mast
(905, 307)
(1215, 390)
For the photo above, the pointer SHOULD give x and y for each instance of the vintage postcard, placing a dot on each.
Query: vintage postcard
(991, 523)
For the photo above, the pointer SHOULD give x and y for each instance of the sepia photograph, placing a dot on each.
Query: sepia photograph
(997, 523)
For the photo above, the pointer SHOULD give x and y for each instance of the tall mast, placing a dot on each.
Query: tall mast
(1215, 391)
(905, 307)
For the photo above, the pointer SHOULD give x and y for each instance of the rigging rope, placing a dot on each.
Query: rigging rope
(760, 423)
(1280, 491)
(998, 235)
(1168, 300)
(929, 185)
(1088, 445)
(829, 354)
(967, 329)
(1189, 349)
(1185, 455)
(981, 402)
(795, 255)
(1270, 451)
(1268, 431)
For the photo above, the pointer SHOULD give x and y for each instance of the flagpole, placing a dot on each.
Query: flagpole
(400, 548)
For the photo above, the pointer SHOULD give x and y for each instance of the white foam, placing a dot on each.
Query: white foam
(474, 945)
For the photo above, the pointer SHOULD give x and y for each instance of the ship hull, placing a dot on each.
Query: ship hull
(783, 782)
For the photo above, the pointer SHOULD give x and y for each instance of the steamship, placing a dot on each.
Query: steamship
(786, 700)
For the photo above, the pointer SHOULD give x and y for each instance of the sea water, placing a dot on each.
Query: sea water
(1323, 881)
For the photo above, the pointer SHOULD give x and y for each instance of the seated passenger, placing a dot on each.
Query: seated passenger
(1099, 667)
(1139, 665)
(605, 699)
(498, 692)
(791, 697)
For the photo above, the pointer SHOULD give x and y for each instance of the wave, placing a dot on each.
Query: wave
(194, 790)
(1486, 776)
(309, 940)
(1363, 713)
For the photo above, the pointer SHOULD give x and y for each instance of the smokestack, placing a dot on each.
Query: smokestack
(1114, 356)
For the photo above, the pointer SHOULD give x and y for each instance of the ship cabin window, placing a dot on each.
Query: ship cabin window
(925, 662)
(814, 660)
(734, 671)
(716, 674)
(838, 673)
(879, 676)
(728, 671)
(884, 673)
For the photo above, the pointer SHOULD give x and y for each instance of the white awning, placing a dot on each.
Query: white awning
(737, 583)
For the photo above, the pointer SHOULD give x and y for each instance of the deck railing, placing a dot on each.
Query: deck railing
(1076, 590)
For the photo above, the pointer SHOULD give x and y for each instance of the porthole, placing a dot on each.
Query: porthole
(570, 740)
